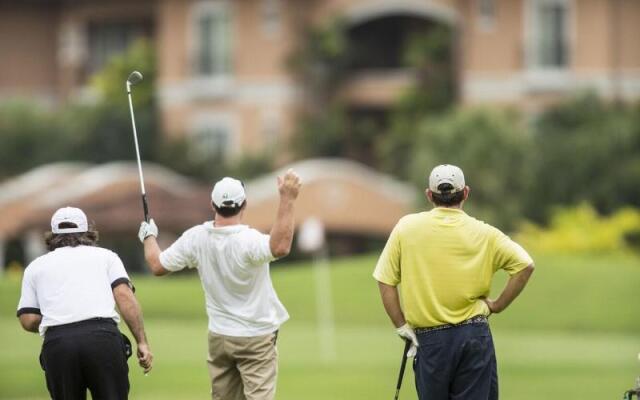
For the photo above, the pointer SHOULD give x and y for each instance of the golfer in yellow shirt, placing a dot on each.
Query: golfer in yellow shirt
(444, 261)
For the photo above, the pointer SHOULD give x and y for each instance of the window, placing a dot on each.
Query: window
(212, 142)
(212, 137)
(212, 39)
(550, 34)
(108, 39)
(271, 16)
(486, 13)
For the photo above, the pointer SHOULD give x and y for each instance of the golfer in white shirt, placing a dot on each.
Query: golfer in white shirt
(232, 260)
(69, 296)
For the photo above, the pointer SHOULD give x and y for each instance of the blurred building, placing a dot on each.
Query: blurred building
(223, 65)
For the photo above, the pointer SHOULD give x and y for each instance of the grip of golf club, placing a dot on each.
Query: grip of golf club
(145, 207)
(403, 363)
(407, 345)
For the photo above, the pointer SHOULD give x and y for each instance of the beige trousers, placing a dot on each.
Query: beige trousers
(243, 368)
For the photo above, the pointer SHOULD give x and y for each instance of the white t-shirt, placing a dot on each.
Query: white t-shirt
(233, 263)
(72, 284)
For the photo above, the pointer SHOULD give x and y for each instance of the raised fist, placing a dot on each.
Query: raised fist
(289, 185)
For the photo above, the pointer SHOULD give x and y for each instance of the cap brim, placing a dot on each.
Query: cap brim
(70, 230)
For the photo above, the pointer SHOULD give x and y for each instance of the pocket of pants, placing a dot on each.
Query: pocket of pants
(126, 346)
(41, 359)
(48, 341)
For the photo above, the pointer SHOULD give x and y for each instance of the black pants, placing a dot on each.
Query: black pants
(457, 363)
(85, 355)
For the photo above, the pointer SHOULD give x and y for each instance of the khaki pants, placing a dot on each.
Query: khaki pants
(243, 368)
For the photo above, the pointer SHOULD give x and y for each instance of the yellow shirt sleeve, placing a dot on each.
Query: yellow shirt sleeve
(509, 255)
(388, 267)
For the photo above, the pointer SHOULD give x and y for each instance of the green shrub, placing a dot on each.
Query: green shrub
(586, 150)
(582, 230)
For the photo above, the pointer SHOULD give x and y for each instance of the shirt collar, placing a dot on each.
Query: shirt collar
(209, 225)
(447, 210)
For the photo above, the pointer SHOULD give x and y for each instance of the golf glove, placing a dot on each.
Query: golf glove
(406, 332)
(147, 229)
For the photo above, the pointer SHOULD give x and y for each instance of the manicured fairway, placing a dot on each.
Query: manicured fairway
(574, 334)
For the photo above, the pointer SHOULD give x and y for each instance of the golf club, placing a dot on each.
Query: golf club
(403, 363)
(134, 78)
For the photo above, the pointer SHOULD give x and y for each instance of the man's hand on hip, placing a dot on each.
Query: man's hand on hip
(147, 229)
(491, 304)
(289, 185)
(406, 332)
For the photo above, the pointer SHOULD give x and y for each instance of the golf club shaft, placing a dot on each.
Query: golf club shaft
(145, 207)
(407, 345)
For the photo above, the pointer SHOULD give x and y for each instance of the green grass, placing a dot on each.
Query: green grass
(573, 334)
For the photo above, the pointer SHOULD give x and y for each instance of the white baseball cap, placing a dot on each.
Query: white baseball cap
(72, 215)
(228, 192)
(446, 173)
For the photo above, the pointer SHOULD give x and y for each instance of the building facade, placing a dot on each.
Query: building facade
(224, 78)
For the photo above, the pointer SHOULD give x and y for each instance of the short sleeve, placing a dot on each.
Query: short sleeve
(28, 303)
(255, 249)
(509, 255)
(116, 272)
(388, 267)
(179, 255)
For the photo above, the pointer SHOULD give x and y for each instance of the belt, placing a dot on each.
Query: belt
(478, 319)
(78, 324)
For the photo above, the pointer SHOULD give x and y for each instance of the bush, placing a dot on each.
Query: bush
(586, 150)
(493, 150)
(580, 229)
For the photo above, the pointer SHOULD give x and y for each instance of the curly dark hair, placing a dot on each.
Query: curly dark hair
(56, 240)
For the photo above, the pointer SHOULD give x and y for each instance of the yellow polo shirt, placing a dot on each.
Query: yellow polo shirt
(444, 261)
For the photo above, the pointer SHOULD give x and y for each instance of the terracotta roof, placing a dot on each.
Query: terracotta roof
(109, 194)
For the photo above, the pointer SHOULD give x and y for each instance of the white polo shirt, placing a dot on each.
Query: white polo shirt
(233, 263)
(72, 284)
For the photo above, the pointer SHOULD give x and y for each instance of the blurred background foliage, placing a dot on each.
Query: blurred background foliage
(85, 130)
(583, 150)
(581, 229)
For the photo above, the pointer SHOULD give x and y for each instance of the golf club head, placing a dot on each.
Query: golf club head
(134, 78)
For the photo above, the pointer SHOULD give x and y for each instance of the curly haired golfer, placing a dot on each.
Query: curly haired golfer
(69, 295)
(445, 260)
(233, 262)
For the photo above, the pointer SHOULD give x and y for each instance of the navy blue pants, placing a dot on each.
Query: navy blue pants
(458, 363)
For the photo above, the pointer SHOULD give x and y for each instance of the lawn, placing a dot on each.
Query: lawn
(574, 334)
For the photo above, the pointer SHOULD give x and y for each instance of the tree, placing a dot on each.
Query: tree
(106, 125)
(586, 151)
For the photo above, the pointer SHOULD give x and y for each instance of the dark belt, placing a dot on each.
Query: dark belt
(478, 319)
(81, 324)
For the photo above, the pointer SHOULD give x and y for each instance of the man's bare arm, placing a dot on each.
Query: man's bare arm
(391, 302)
(30, 322)
(132, 315)
(281, 235)
(152, 256)
(514, 287)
